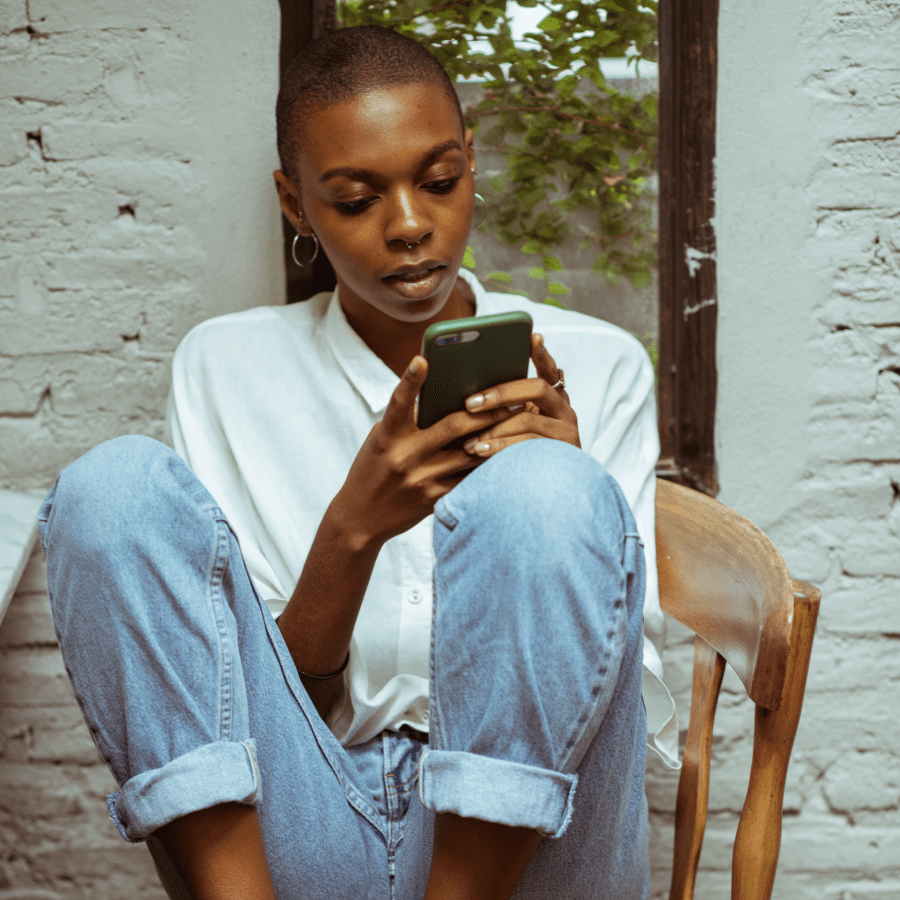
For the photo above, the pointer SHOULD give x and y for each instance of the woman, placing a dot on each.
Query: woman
(484, 739)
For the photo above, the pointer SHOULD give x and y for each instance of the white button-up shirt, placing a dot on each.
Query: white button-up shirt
(270, 406)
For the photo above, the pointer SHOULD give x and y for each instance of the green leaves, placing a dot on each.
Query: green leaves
(551, 23)
(575, 148)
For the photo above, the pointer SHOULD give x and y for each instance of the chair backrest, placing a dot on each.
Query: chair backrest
(722, 577)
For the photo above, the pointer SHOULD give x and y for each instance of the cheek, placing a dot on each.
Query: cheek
(350, 242)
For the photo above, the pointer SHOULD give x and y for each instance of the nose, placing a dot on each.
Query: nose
(408, 220)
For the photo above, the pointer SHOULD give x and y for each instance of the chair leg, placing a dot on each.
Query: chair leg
(693, 785)
(758, 837)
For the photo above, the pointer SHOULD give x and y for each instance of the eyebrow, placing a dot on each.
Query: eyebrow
(368, 174)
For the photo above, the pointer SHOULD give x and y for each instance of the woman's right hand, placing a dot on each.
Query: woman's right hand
(398, 475)
(401, 471)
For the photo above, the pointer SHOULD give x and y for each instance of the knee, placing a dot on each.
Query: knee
(544, 485)
(96, 498)
(115, 470)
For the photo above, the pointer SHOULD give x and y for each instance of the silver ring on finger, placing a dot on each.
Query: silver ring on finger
(562, 380)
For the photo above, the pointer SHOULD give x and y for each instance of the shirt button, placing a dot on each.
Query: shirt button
(414, 597)
(425, 715)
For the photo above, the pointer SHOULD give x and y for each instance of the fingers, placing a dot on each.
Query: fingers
(538, 409)
(524, 426)
(537, 391)
(516, 394)
(458, 425)
(484, 449)
(449, 468)
(400, 411)
(543, 362)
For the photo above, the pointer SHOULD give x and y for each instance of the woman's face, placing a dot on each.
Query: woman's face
(386, 184)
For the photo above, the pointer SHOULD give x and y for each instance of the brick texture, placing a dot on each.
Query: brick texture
(123, 223)
(122, 226)
(808, 426)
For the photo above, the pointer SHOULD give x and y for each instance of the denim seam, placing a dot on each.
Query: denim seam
(588, 714)
(405, 787)
(435, 728)
(98, 735)
(226, 654)
(353, 796)
(445, 515)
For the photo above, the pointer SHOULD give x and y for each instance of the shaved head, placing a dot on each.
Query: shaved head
(343, 65)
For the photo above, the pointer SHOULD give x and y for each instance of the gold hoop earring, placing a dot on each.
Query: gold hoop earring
(481, 210)
(294, 251)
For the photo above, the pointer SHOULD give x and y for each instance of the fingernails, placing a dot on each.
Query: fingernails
(414, 367)
(481, 448)
(515, 407)
(469, 445)
(475, 401)
(540, 339)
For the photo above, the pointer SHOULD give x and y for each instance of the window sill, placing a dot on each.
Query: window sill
(18, 532)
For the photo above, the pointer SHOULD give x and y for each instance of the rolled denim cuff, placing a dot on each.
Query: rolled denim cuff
(223, 772)
(496, 790)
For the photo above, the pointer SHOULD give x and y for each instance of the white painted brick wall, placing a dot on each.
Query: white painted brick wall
(136, 150)
(808, 430)
(127, 101)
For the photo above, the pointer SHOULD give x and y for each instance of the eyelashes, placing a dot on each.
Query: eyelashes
(355, 207)
(444, 186)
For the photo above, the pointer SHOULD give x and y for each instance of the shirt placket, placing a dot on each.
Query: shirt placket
(415, 599)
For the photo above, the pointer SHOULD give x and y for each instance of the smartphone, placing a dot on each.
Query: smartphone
(466, 356)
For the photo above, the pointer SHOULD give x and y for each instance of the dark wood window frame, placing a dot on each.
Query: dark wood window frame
(688, 302)
(687, 266)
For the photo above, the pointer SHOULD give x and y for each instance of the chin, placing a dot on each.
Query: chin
(420, 311)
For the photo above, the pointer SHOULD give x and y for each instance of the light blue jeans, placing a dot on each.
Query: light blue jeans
(536, 714)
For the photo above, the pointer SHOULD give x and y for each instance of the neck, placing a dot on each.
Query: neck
(396, 343)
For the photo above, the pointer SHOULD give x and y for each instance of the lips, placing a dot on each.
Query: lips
(414, 271)
(417, 281)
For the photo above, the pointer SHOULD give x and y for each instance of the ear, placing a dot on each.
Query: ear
(291, 204)
(470, 147)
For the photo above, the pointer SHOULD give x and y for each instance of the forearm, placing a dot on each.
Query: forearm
(318, 622)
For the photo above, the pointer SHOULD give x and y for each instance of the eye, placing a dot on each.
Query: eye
(353, 207)
(444, 186)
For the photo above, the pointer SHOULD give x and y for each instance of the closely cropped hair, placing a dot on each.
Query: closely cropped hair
(343, 65)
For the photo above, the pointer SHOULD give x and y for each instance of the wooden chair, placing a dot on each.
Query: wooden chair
(722, 577)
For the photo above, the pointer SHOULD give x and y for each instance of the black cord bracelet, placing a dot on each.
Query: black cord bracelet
(326, 677)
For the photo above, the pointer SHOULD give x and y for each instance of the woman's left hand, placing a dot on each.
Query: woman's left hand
(538, 409)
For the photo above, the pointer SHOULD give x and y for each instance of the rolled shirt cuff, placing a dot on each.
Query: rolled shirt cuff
(497, 790)
(222, 772)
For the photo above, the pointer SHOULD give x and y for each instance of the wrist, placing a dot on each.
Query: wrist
(344, 527)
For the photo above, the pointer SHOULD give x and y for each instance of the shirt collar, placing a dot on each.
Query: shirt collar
(364, 370)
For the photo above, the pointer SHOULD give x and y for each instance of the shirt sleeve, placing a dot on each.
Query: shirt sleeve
(196, 431)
